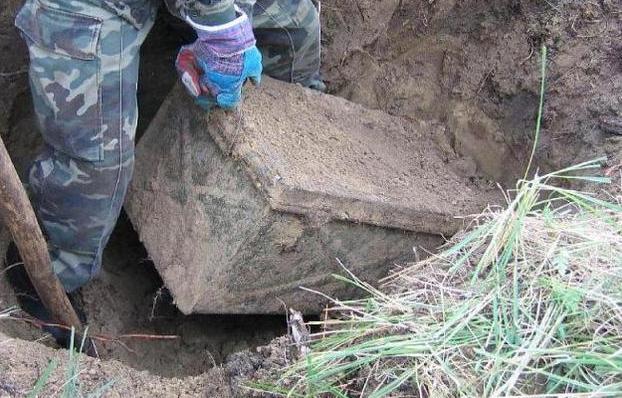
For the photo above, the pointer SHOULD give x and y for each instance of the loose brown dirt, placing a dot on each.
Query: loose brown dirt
(22, 363)
(473, 65)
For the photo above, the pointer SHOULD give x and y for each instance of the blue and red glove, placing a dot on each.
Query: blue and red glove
(217, 64)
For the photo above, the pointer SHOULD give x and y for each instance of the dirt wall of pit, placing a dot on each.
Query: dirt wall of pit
(13, 105)
(475, 66)
(13, 64)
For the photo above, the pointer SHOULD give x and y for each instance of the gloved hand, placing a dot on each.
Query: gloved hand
(217, 64)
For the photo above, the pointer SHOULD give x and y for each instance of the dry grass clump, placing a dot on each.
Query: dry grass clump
(526, 302)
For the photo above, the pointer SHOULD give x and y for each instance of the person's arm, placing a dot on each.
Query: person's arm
(223, 57)
(204, 12)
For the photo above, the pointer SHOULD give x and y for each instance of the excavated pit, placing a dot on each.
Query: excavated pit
(472, 66)
(129, 297)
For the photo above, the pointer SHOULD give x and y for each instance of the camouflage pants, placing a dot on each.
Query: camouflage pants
(288, 36)
(83, 73)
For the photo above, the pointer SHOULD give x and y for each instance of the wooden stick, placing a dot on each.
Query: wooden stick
(19, 218)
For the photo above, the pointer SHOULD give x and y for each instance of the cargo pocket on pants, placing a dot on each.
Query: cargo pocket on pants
(64, 77)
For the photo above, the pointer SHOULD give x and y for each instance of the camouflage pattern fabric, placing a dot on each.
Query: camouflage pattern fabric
(84, 57)
(83, 75)
(288, 36)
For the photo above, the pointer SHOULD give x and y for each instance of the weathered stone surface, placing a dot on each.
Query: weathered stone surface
(240, 209)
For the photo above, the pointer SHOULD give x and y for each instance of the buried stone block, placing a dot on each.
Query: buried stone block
(240, 209)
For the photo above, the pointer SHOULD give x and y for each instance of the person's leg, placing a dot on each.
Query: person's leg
(288, 36)
(83, 75)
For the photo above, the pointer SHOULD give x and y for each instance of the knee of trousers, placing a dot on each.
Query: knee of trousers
(288, 34)
(77, 201)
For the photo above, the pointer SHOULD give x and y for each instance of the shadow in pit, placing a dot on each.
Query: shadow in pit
(129, 297)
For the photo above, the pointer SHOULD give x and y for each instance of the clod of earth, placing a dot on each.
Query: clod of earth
(237, 209)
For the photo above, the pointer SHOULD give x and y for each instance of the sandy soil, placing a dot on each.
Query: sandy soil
(22, 364)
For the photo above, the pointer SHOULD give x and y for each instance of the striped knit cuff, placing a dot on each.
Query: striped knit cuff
(231, 38)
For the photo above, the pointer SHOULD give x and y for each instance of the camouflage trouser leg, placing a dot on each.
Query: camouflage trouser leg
(83, 75)
(288, 35)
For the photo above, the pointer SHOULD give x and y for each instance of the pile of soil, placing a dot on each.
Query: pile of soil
(22, 363)
(472, 65)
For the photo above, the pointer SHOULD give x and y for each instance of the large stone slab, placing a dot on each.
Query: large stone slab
(239, 209)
